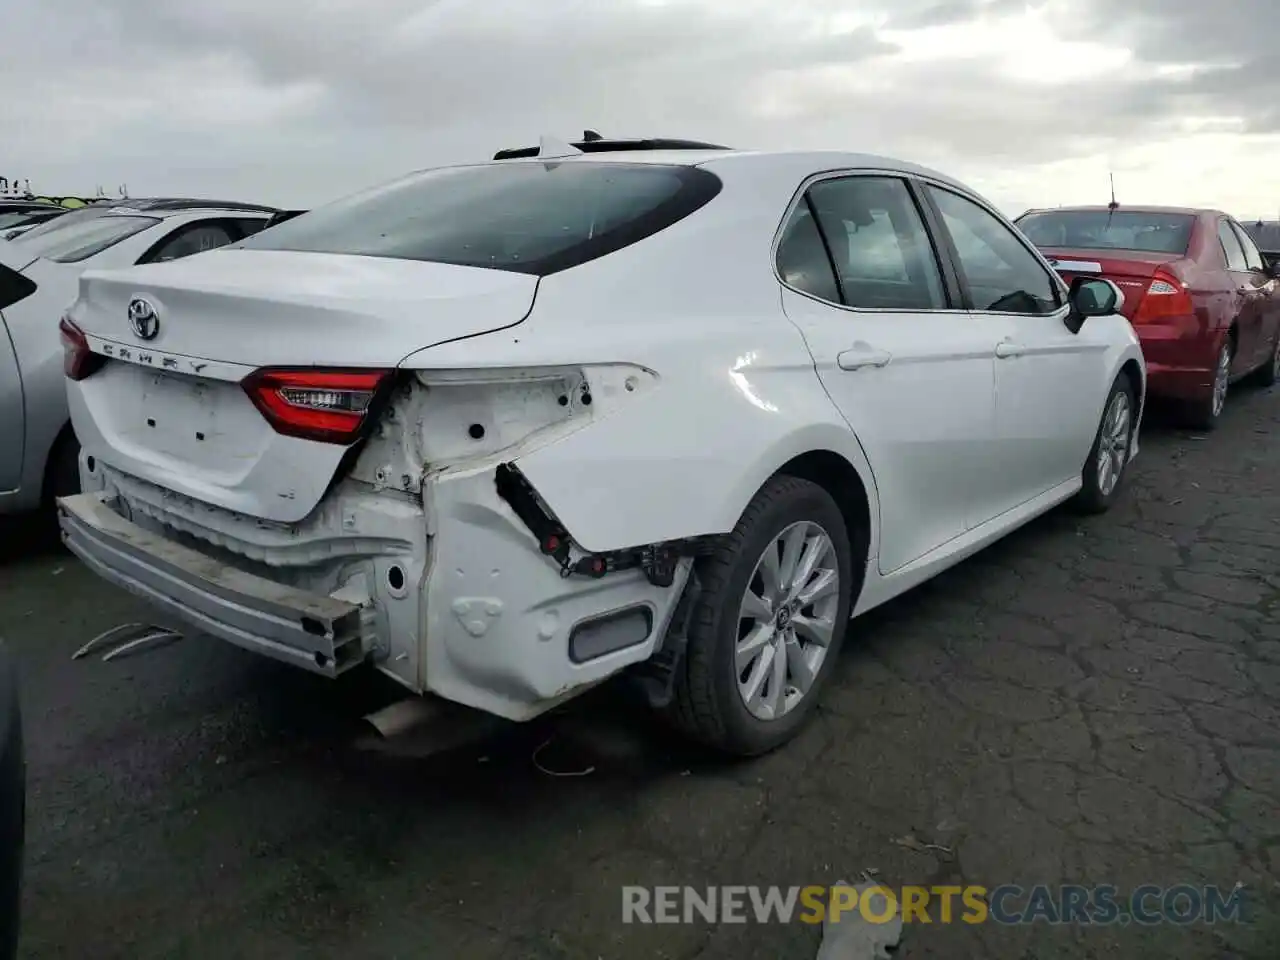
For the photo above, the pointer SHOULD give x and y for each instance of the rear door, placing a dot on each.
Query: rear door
(898, 355)
(1047, 377)
(1247, 297)
(1266, 297)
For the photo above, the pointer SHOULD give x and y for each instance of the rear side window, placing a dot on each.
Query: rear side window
(1252, 257)
(81, 241)
(1147, 231)
(1231, 248)
(803, 263)
(881, 250)
(526, 217)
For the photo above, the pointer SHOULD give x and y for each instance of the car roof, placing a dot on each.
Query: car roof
(1126, 208)
(786, 163)
(178, 204)
(164, 212)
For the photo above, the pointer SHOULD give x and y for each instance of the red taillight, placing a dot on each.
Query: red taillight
(78, 361)
(325, 405)
(1166, 297)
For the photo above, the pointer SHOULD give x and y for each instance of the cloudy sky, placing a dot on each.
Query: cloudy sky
(298, 101)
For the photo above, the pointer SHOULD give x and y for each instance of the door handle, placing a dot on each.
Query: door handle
(1005, 350)
(864, 357)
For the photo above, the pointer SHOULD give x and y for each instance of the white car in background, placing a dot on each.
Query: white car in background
(39, 278)
(508, 429)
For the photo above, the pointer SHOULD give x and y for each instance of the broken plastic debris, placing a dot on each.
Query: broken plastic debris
(912, 842)
(851, 936)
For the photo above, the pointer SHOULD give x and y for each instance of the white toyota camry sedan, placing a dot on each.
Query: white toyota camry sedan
(508, 429)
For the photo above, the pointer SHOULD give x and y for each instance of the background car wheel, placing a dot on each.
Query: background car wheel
(769, 623)
(1269, 373)
(1104, 471)
(1204, 414)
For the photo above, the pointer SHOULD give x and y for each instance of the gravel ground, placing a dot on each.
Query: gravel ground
(1091, 701)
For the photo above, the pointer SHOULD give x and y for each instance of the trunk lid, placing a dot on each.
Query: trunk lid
(172, 409)
(278, 308)
(1130, 270)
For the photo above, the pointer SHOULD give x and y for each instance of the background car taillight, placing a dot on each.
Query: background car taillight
(325, 405)
(1165, 298)
(78, 361)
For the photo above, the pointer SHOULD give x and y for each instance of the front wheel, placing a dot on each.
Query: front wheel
(769, 622)
(1104, 471)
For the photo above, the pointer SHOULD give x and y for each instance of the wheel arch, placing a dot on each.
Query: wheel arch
(66, 434)
(841, 479)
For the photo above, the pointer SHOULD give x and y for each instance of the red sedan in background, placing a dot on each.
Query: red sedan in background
(1199, 295)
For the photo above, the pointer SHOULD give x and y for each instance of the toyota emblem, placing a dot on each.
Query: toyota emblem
(143, 318)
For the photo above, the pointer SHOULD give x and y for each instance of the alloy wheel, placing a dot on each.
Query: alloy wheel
(1221, 380)
(787, 620)
(1113, 442)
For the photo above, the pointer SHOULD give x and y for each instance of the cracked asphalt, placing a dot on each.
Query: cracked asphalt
(1090, 701)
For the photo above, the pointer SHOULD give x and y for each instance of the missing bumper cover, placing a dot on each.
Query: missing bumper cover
(658, 560)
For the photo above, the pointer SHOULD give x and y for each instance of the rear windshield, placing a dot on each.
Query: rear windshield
(525, 217)
(18, 218)
(72, 242)
(66, 219)
(1103, 230)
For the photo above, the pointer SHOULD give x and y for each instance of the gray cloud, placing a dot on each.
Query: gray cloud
(297, 102)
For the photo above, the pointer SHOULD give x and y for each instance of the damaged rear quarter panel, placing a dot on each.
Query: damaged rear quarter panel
(736, 395)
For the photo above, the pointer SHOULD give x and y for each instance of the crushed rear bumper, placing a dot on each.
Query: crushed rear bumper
(318, 633)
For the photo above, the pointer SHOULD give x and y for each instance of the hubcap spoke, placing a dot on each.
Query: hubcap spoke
(759, 674)
(775, 699)
(771, 575)
(814, 552)
(819, 588)
(749, 647)
(798, 665)
(793, 543)
(755, 607)
(813, 630)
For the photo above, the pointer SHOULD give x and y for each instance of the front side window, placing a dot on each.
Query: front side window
(881, 251)
(1231, 248)
(1003, 276)
(531, 217)
(1252, 258)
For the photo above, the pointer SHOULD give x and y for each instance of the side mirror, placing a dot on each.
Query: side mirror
(1272, 264)
(1091, 297)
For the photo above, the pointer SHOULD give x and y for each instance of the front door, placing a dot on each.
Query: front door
(1264, 296)
(1047, 390)
(1247, 301)
(908, 369)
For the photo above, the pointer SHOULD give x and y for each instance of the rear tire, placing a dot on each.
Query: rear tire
(1104, 471)
(765, 633)
(1205, 414)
